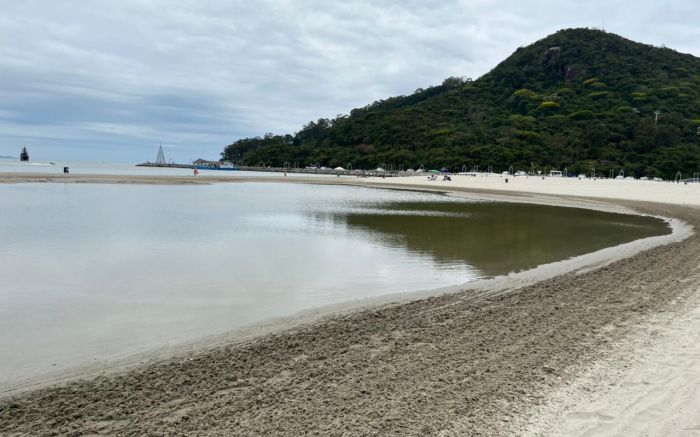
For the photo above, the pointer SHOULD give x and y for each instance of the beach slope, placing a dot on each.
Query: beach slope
(452, 364)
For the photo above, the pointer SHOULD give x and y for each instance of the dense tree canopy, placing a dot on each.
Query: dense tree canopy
(579, 99)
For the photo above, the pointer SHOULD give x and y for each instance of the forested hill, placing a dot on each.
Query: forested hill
(579, 99)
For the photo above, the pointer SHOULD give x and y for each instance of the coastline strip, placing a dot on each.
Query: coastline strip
(607, 190)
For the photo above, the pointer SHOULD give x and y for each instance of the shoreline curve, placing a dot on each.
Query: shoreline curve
(481, 292)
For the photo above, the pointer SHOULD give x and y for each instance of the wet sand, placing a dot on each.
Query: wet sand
(506, 357)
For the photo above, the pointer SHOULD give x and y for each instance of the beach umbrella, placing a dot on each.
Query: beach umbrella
(339, 168)
(434, 171)
(444, 170)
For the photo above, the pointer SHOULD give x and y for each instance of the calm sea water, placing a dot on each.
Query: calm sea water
(92, 272)
(111, 168)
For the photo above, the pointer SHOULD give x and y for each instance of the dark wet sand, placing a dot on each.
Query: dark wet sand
(455, 364)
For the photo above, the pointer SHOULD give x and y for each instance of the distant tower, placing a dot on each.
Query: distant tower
(24, 156)
(161, 157)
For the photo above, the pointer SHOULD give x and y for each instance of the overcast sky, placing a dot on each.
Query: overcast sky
(108, 80)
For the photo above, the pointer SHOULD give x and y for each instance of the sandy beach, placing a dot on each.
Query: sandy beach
(604, 344)
(631, 190)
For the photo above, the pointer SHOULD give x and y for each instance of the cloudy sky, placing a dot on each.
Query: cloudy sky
(108, 80)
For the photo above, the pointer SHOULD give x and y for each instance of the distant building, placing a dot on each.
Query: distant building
(213, 165)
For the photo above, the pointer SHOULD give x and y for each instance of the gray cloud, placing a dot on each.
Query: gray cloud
(112, 79)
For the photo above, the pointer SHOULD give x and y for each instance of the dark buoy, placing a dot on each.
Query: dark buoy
(24, 156)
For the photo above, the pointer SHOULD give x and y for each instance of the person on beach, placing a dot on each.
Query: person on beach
(196, 171)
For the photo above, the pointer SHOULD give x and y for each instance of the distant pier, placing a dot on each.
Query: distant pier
(313, 170)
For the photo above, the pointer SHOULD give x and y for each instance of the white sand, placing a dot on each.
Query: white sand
(649, 387)
(649, 191)
(635, 190)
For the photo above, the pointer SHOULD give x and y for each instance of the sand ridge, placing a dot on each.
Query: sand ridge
(451, 364)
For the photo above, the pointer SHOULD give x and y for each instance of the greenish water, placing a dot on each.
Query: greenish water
(498, 238)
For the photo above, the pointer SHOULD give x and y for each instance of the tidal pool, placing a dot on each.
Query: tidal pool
(96, 272)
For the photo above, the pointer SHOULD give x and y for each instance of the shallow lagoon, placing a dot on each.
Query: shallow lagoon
(93, 272)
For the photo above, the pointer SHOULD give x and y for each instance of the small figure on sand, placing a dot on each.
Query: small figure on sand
(196, 171)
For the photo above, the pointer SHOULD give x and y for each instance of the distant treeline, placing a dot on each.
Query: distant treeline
(578, 99)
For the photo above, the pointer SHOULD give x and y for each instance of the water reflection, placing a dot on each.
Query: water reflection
(98, 271)
(498, 238)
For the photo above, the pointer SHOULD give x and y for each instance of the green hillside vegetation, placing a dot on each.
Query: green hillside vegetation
(578, 99)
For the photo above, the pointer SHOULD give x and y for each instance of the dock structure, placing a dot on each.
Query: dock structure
(202, 164)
